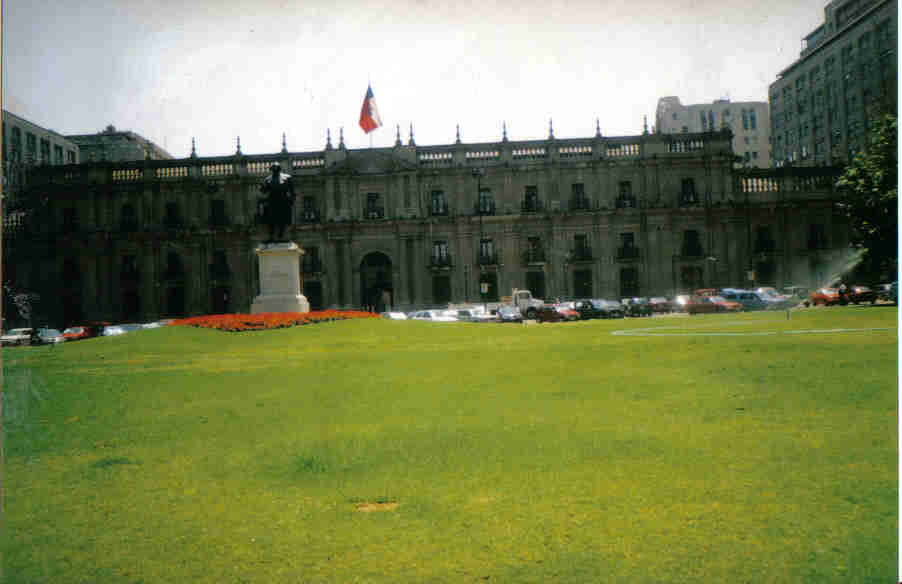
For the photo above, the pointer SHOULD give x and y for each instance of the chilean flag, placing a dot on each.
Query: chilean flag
(369, 115)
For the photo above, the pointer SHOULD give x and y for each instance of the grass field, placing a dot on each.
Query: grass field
(385, 451)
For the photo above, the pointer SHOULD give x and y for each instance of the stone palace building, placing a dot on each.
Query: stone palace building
(412, 226)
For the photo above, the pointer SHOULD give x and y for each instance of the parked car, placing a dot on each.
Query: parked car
(113, 330)
(796, 292)
(883, 291)
(824, 297)
(680, 303)
(706, 292)
(509, 314)
(586, 309)
(748, 299)
(711, 304)
(85, 331)
(609, 308)
(17, 336)
(660, 305)
(394, 315)
(861, 294)
(548, 313)
(434, 316)
(636, 307)
(49, 336)
(568, 312)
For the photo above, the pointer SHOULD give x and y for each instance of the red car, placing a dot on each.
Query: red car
(824, 297)
(708, 304)
(567, 312)
(660, 305)
(75, 333)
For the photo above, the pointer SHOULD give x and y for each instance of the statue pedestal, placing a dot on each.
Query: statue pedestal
(280, 279)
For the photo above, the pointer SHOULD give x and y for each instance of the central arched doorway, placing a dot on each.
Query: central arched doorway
(376, 291)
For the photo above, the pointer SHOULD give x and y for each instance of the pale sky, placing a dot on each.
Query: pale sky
(171, 70)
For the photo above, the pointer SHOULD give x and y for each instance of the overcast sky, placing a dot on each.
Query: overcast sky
(173, 70)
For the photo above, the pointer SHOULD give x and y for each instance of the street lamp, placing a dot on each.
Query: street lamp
(478, 173)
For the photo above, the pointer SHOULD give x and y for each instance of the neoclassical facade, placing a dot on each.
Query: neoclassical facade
(413, 226)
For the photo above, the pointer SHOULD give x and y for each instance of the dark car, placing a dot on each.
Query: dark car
(548, 314)
(660, 305)
(637, 307)
(861, 294)
(586, 309)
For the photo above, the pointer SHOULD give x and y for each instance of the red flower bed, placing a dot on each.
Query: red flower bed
(269, 320)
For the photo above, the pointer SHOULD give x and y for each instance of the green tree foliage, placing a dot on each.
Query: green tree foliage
(869, 189)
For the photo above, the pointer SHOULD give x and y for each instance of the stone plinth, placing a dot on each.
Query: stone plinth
(280, 279)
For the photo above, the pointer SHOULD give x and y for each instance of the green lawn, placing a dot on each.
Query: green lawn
(544, 453)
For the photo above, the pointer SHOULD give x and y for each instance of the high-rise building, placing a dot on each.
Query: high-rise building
(748, 120)
(823, 104)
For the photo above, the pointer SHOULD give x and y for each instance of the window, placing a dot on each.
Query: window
(692, 246)
(629, 282)
(218, 213)
(685, 129)
(45, 151)
(753, 121)
(745, 121)
(440, 253)
(581, 249)
(57, 154)
(628, 249)
(764, 239)
(486, 204)
(746, 140)
(128, 219)
(172, 217)
(70, 157)
(675, 116)
(310, 261)
(687, 192)
(746, 157)
(374, 209)
(31, 147)
(578, 200)
(439, 204)
(817, 236)
(704, 120)
(625, 197)
(531, 202)
(309, 212)
(754, 155)
(487, 251)
(711, 120)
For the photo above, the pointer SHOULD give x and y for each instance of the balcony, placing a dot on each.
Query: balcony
(439, 209)
(626, 202)
(534, 256)
(484, 208)
(628, 253)
(581, 254)
(532, 206)
(487, 259)
(580, 204)
(440, 262)
(688, 200)
(311, 265)
(220, 272)
(310, 216)
(373, 212)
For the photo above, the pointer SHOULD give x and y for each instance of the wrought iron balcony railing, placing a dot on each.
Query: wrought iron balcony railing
(626, 202)
(310, 216)
(628, 253)
(439, 209)
(484, 208)
(688, 200)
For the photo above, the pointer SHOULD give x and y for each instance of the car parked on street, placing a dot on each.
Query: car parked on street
(394, 315)
(49, 336)
(85, 331)
(568, 312)
(636, 307)
(434, 316)
(862, 294)
(609, 308)
(712, 304)
(548, 313)
(748, 299)
(509, 314)
(586, 309)
(660, 305)
(824, 297)
(17, 336)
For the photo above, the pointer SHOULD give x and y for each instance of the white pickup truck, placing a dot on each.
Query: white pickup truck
(521, 299)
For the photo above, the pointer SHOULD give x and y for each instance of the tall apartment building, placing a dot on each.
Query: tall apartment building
(748, 120)
(28, 144)
(117, 146)
(822, 106)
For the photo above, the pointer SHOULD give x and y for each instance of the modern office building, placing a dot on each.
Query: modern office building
(26, 144)
(117, 146)
(822, 105)
(748, 120)
(598, 217)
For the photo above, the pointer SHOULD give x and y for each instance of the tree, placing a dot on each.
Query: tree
(870, 200)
